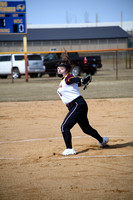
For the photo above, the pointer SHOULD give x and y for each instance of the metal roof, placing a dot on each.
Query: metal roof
(82, 33)
(125, 25)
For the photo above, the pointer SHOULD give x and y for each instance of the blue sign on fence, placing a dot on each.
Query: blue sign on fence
(13, 17)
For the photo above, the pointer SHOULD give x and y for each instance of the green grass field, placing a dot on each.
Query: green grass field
(103, 85)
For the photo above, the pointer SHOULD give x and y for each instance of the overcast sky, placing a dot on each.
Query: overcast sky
(78, 11)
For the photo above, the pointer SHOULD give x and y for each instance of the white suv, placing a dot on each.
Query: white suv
(15, 64)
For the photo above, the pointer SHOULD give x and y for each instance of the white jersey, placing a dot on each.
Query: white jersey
(66, 91)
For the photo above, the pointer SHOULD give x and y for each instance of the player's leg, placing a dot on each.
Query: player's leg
(69, 121)
(87, 128)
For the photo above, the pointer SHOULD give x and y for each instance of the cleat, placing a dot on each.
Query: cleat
(104, 143)
(67, 152)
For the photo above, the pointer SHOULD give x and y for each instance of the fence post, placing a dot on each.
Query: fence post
(126, 60)
(116, 65)
(25, 56)
(130, 60)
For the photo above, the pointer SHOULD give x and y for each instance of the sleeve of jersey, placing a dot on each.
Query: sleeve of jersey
(70, 79)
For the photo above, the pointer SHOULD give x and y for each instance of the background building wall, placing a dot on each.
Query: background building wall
(66, 44)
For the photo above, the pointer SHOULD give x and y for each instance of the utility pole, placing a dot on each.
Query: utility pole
(121, 19)
(96, 19)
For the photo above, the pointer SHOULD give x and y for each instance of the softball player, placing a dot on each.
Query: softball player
(69, 93)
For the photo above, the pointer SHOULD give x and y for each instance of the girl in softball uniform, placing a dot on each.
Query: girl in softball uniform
(69, 93)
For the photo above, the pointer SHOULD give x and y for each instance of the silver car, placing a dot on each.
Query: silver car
(35, 65)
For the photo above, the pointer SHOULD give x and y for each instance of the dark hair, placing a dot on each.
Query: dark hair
(65, 62)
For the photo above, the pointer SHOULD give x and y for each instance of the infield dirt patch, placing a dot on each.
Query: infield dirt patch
(31, 164)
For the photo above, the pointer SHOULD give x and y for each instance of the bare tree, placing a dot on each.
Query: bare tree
(68, 18)
(86, 17)
(75, 19)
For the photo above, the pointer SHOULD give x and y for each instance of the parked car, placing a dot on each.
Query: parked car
(88, 64)
(35, 65)
(15, 64)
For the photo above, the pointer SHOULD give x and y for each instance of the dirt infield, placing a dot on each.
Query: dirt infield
(31, 164)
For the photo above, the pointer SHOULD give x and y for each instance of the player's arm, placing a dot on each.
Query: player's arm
(75, 80)
(81, 81)
(70, 79)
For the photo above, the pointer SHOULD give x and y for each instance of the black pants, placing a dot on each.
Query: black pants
(77, 114)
